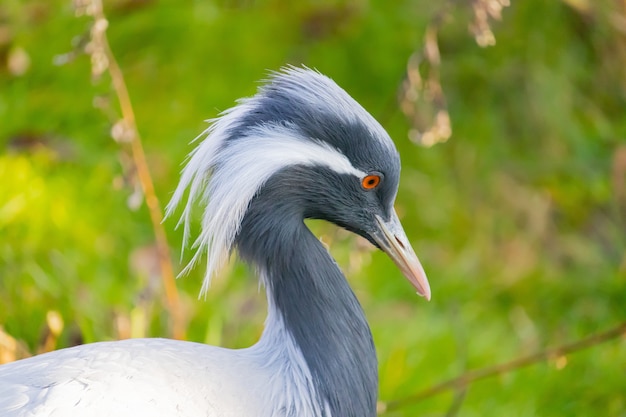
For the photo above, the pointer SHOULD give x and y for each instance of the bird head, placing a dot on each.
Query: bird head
(306, 142)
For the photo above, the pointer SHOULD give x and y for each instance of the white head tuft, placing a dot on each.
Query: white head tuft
(242, 150)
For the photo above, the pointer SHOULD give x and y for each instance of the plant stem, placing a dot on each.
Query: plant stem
(467, 378)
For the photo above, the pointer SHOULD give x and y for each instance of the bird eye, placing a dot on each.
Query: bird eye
(370, 181)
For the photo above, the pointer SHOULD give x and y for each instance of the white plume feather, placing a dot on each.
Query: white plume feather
(224, 175)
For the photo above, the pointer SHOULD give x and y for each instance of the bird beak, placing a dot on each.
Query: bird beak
(393, 241)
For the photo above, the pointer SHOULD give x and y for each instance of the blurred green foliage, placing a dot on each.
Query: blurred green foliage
(519, 218)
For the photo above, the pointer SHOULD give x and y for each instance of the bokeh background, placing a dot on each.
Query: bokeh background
(519, 217)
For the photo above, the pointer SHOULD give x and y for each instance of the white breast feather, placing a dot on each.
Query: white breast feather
(163, 378)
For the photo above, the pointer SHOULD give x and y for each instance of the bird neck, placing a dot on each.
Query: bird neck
(310, 297)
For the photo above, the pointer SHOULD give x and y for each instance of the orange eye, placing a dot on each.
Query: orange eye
(370, 182)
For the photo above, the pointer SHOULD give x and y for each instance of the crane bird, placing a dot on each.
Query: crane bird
(300, 148)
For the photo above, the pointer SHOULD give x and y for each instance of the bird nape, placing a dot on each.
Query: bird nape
(300, 148)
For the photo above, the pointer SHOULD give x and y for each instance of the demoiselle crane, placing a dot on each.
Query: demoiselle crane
(300, 148)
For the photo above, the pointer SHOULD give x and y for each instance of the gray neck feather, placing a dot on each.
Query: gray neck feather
(317, 305)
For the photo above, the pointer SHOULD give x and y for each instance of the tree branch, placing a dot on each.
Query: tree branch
(468, 378)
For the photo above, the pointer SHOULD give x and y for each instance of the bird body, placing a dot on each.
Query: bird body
(300, 148)
(159, 377)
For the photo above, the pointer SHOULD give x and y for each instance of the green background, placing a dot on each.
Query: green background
(519, 219)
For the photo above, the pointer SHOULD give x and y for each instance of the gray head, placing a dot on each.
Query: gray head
(326, 157)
